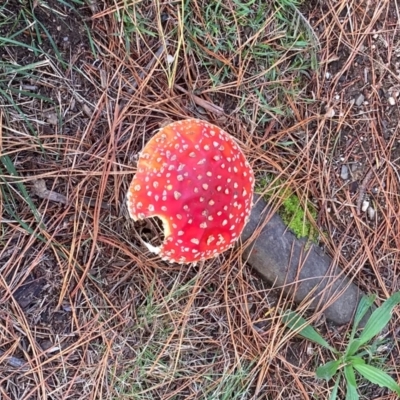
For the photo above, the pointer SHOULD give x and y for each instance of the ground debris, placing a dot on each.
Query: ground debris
(12, 361)
(344, 172)
(27, 293)
(360, 99)
(201, 102)
(40, 190)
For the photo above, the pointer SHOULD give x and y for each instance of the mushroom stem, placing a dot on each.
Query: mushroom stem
(153, 249)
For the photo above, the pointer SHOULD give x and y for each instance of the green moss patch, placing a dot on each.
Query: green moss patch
(292, 212)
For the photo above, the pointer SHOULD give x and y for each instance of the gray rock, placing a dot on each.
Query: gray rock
(304, 271)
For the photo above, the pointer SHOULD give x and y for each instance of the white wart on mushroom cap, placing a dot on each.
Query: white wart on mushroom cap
(195, 178)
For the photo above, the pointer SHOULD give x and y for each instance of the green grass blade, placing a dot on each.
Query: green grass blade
(16, 43)
(31, 95)
(91, 41)
(377, 377)
(15, 105)
(8, 164)
(379, 318)
(22, 30)
(10, 68)
(327, 370)
(53, 45)
(297, 323)
(65, 3)
(9, 206)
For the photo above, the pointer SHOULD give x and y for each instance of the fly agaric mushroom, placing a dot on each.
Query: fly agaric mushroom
(195, 178)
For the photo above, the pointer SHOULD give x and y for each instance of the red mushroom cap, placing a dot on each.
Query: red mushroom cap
(195, 178)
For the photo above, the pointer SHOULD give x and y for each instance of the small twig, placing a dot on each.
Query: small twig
(149, 65)
(201, 102)
(40, 190)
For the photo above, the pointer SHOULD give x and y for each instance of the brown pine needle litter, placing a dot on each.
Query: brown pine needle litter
(312, 93)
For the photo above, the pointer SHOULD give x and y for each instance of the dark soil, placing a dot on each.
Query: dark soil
(361, 88)
(60, 30)
(360, 82)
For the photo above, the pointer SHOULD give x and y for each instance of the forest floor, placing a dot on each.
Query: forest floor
(311, 91)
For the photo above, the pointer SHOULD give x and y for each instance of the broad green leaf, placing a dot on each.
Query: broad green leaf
(350, 375)
(327, 370)
(297, 323)
(351, 393)
(379, 318)
(352, 347)
(377, 376)
(355, 360)
(333, 395)
(363, 306)
(351, 387)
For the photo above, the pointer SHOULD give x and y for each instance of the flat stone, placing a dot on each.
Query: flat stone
(301, 269)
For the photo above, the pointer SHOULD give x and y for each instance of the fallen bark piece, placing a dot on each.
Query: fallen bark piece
(12, 361)
(300, 268)
(40, 189)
